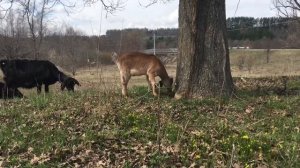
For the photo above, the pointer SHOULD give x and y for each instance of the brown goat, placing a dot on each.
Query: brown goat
(137, 64)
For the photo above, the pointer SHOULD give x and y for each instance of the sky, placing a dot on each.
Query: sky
(160, 15)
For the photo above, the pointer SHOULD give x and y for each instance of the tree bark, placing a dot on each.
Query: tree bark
(203, 67)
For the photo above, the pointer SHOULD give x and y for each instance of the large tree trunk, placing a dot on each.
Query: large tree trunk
(203, 67)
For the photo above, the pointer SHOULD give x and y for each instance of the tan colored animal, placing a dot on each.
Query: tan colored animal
(137, 64)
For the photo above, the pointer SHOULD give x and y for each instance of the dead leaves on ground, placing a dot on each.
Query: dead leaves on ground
(105, 131)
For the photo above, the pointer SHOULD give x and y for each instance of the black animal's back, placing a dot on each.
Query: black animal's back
(34, 73)
(29, 73)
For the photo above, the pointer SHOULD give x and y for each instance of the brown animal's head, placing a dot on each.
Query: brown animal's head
(69, 83)
(168, 82)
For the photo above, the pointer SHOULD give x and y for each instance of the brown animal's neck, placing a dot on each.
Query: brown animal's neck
(164, 75)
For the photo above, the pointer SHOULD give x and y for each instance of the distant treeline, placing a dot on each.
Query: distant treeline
(139, 39)
(267, 32)
(71, 48)
(249, 28)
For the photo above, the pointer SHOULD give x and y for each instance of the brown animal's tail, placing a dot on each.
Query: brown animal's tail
(114, 57)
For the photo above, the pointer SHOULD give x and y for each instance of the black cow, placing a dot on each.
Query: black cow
(9, 93)
(34, 73)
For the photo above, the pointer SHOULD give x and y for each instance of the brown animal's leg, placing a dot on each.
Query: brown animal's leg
(47, 88)
(124, 80)
(149, 84)
(153, 84)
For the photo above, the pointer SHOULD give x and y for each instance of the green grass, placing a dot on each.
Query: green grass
(89, 128)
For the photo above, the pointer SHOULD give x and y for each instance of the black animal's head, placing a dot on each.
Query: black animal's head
(69, 83)
(3, 65)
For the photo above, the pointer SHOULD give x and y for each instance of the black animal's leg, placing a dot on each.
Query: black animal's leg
(62, 86)
(39, 89)
(47, 88)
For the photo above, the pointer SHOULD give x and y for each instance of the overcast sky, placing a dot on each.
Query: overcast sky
(158, 15)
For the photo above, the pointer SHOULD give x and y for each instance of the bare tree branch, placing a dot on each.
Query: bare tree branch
(109, 5)
(5, 9)
(35, 12)
(297, 3)
(6, 5)
(152, 2)
(287, 8)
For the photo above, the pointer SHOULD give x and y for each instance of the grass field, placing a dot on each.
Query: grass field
(97, 127)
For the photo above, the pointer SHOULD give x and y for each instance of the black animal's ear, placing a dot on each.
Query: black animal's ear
(76, 82)
(171, 81)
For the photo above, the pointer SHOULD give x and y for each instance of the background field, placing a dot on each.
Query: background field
(244, 63)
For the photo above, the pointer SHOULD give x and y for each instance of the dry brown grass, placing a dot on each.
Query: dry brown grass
(108, 77)
(282, 63)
